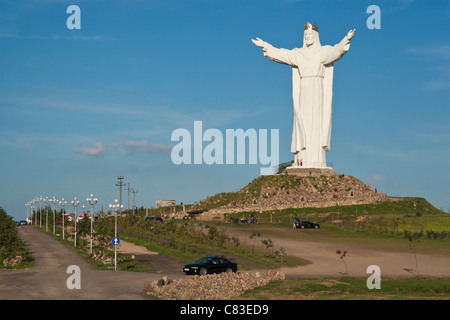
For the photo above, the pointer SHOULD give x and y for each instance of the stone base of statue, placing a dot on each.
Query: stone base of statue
(305, 172)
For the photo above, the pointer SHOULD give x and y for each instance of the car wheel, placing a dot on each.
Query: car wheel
(203, 271)
(316, 227)
(229, 270)
(302, 227)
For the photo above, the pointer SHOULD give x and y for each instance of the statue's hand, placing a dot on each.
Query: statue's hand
(258, 42)
(350, 34)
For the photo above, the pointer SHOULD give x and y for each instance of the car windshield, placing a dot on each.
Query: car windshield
(203, 260)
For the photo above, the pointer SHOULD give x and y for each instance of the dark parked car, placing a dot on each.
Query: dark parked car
(22, 223)
(154, 219)
(211, 264)
(302, 224)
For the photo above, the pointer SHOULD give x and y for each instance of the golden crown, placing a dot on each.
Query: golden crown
(309, 26)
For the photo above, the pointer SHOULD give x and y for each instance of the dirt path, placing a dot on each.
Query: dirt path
(322, 254)
(47, 279)
(326, 263)
(131, 248)
(162, 264)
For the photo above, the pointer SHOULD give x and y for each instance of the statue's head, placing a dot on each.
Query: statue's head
(311, 35)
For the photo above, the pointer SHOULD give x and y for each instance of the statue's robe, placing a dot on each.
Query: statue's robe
(312, 90)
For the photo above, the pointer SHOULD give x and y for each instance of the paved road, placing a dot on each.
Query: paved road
(47, 278)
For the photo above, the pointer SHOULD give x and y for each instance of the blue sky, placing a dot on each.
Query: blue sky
(81, 107)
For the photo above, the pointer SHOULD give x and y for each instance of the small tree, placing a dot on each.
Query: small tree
(254, 235)
(268, 243)
(236, 242)
(342, 256)
(413, 239)
(281, 254)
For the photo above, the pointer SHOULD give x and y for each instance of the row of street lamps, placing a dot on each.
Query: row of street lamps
(32, 205)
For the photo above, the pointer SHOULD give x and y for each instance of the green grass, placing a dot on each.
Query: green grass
(404, 206)
(249, 192)
(388, 218)
(246, 256)
(404, 288)
(124, 261)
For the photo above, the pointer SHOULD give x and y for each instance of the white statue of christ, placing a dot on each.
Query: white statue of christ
(312, 88)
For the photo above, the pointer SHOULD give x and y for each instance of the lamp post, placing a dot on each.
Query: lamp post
(54, 202)
(92, 201)
(62, 203)
(114, 207)
(33, 217)
(46, 217)
(40, 211)
(75, 204)
(27, 205)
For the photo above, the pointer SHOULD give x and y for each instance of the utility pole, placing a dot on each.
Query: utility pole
(120, 184)
(128, 189)
(134, 195)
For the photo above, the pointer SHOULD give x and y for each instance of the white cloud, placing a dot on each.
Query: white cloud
(440, 53)
(376, 177)
(436, 85)
(53, 37)
(143, 146)
(130, 147)
(98, 149)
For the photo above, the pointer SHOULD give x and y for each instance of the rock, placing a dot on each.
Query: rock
(160, 282)
(147, 287)
(294, 190)
(11, 262)
(154, 286)
(183, 294)
(224, 286)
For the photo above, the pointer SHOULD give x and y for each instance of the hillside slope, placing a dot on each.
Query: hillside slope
(293, 191)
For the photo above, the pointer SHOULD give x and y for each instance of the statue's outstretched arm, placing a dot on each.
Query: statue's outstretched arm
(259, 43)
(283, 56)
(350, 34)
(336, 52)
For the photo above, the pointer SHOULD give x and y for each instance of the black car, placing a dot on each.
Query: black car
(154, 219)
(302, 224)
(211, 264)
(22, 223)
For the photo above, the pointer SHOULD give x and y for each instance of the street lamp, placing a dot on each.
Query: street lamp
(62, 203)
(33, 216)
(40, 211)
(114, 207)
(75, 204)
(92, 201)
(27, 205)
(46, 208)
(54, 202)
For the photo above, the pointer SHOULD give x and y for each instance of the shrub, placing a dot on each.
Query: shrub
(11, 245)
